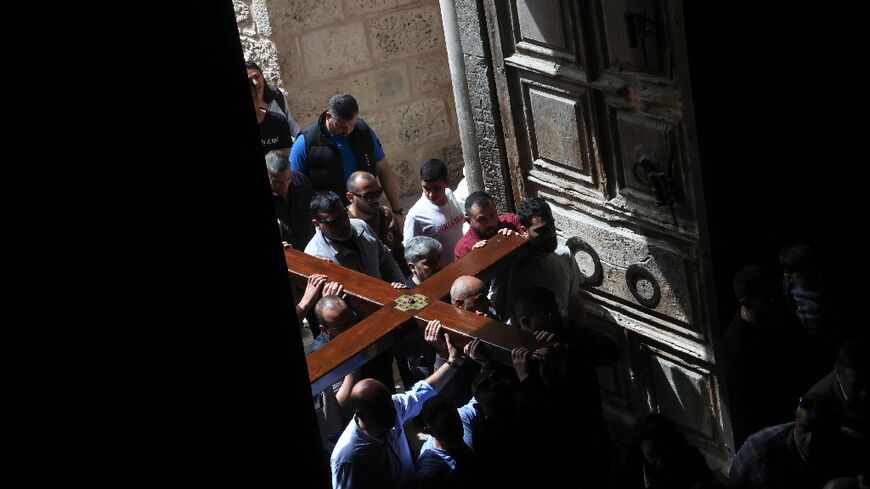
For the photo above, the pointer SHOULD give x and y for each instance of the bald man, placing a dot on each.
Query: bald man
(363, 193)
(470, 293)
(373, 452)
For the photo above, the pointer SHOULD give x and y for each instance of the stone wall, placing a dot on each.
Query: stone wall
(389, 54)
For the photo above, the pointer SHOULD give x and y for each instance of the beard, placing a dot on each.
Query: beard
(342, 235)
(544, 244)
(488, 233)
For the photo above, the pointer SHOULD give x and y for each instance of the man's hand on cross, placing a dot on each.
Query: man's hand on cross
(474, 351)
(334, 288)
(435, 337)
(312, 292)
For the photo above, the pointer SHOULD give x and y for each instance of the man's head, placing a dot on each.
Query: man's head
(341, 114)
(852, 359)
(433, 179)
(815, 425)
(330, 216)
(423, 255)
(469, 293)
(363, 192)
(801, 264)
(759, 291)
(535, 215)
(440, 419)
(278, 169)
(333, 315)
(374, 407)
(659, 439)
(494, 395)
(255, 77)
(481, 214)
(536, 309)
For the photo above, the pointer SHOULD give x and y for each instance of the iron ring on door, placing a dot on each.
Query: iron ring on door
(634, 274)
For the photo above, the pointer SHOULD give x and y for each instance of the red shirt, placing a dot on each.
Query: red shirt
(463, 246)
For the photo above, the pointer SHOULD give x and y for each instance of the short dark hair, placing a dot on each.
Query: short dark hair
(533, 207)
(433, 170)
(478, 198)
(250, 65)
(534, 300)
(493, 391)
(323, 201)
(443, 419)
(854, 354)
(343, 106)
(755, 282)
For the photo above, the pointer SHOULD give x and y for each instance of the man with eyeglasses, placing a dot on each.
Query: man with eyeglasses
(364, 192)
(340, 143)
(348, 242)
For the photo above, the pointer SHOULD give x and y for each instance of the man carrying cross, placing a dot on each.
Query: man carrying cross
(373, 451)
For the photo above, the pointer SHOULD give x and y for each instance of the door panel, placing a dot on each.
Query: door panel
(595, 106)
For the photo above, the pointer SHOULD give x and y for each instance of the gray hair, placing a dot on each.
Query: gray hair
(331, 302)
(419, 247)
(276, 162)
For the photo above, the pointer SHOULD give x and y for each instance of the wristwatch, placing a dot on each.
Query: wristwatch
(400, 211)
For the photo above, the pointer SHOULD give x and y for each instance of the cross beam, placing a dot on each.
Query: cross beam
(389, 308)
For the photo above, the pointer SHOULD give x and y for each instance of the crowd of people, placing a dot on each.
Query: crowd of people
(539, 422)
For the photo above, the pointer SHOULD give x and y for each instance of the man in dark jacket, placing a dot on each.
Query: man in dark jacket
(340, 143)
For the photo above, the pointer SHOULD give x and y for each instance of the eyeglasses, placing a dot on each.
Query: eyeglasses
(335, 220)
(370, 196)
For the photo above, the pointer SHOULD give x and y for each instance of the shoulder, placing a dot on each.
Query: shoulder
(363, 228)
(299, 178)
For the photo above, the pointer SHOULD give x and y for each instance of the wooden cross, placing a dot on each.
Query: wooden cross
(389, 308)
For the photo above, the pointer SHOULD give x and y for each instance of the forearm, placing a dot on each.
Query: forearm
(442, 375)
(389, 183)
(343, 394)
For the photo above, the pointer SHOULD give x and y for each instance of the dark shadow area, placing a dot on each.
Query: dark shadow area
(160, 341)
(775, 108)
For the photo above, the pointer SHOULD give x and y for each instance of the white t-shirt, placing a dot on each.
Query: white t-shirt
(443, 223)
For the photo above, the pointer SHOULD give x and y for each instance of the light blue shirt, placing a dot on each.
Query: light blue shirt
(357, 449)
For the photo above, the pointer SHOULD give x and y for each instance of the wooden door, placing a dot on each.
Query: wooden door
(595, 104)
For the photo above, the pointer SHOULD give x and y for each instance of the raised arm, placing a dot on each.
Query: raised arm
(439, 338)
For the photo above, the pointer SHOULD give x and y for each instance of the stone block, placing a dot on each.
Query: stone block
(382, 123)
(299, 15)
(407, 174)
(431, 73)
(262, 51)
(407, 32)
(242, 11)
(380, 87)
(363, 7)
(260, 13)
(334, 51)
(423, 121)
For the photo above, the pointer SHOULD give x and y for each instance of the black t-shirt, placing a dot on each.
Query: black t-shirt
(274, 133)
